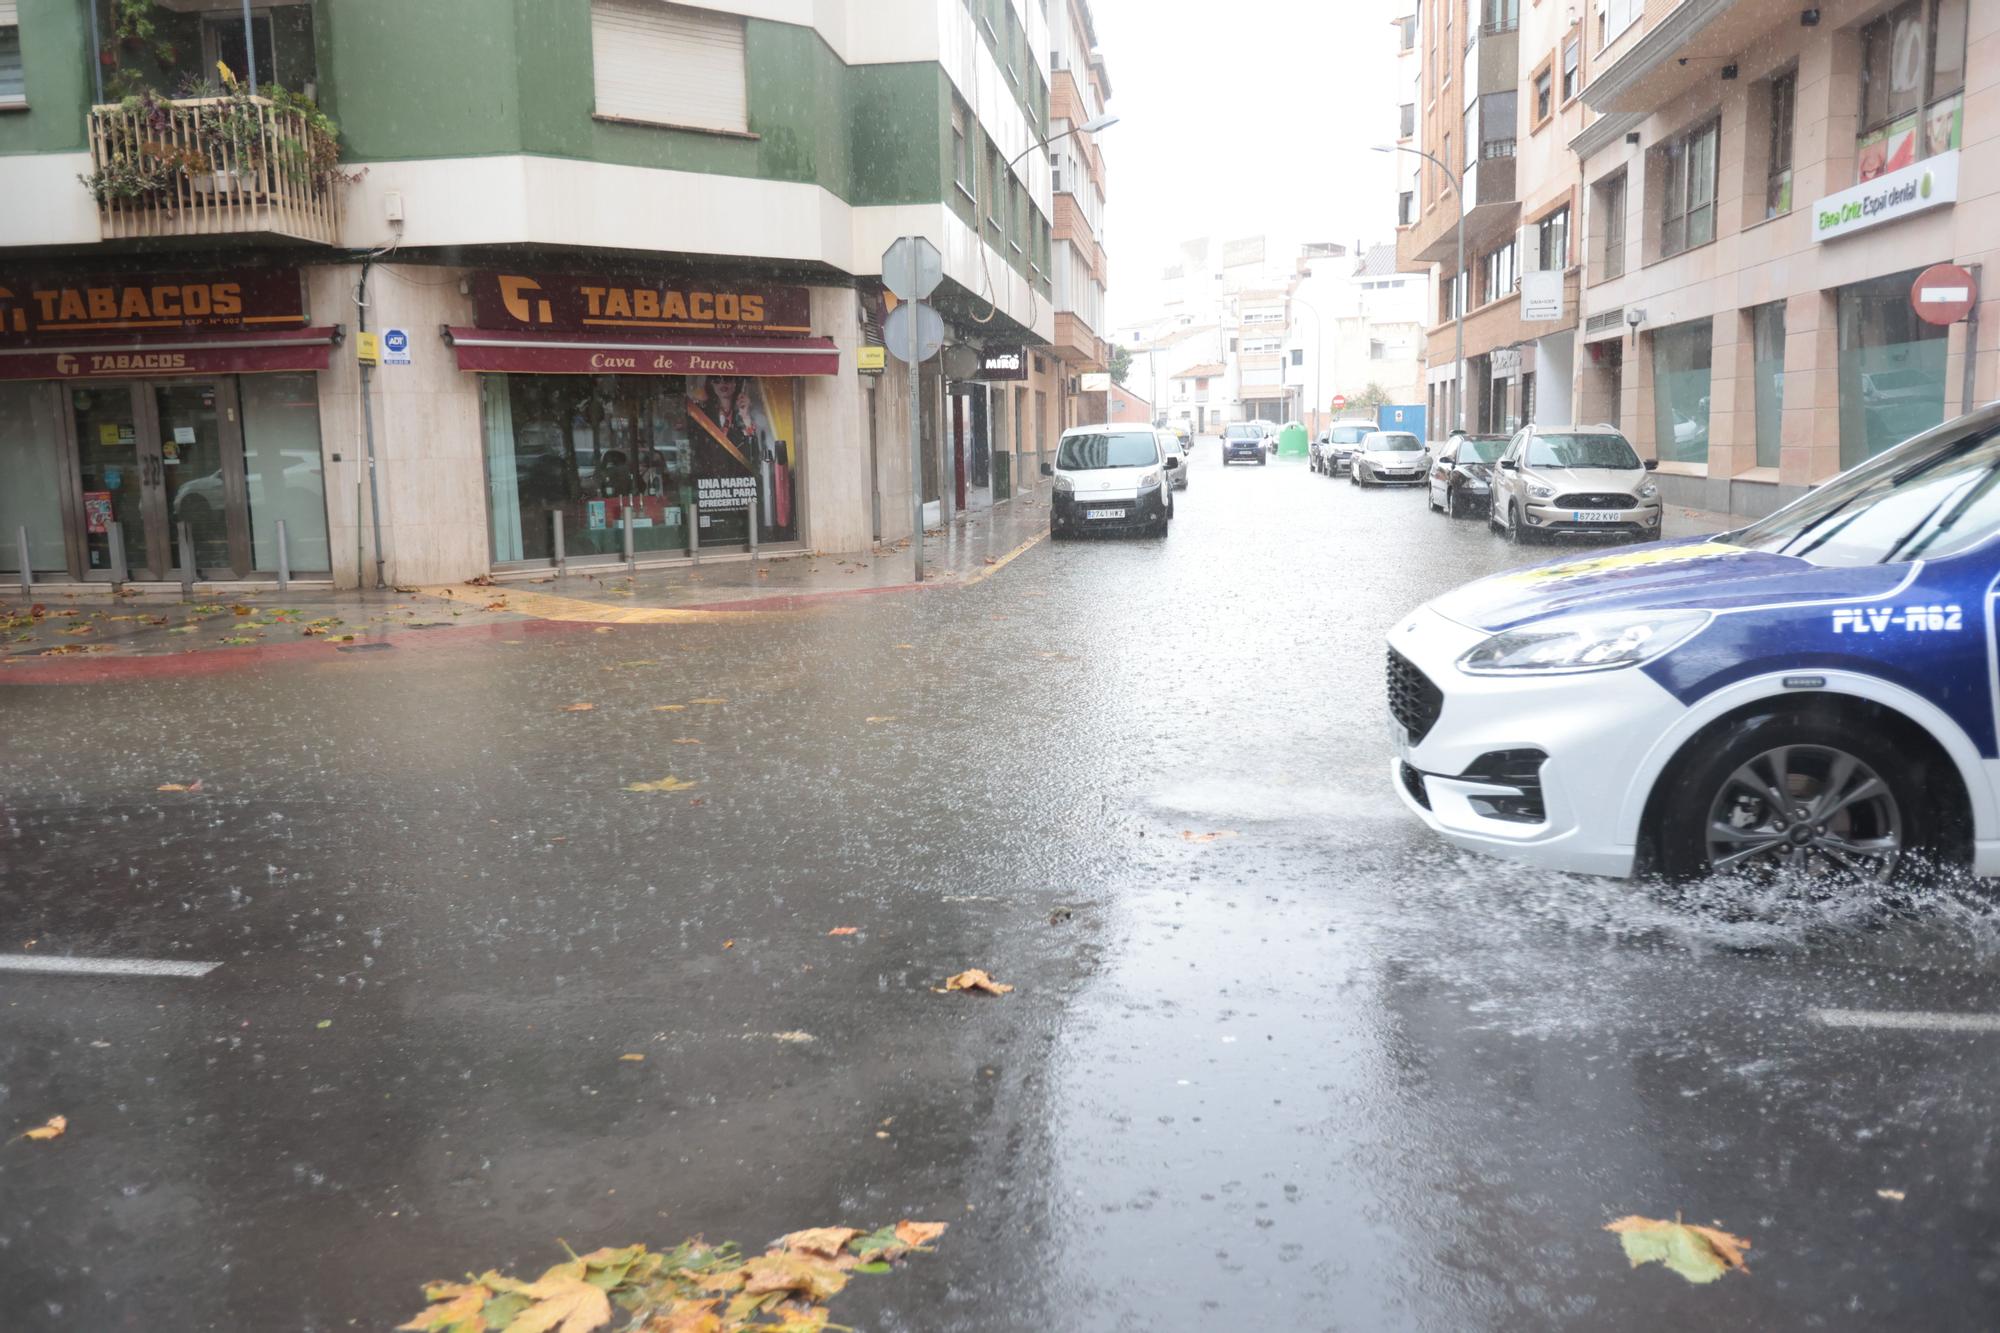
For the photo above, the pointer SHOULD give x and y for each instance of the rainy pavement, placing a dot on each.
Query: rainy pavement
(1320, 1072)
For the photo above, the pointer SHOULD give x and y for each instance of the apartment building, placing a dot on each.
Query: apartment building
(1357, 324)
(622, 258)
(1764, 186)
(1080, 86)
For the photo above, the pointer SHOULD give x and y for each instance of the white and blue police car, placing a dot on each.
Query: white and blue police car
(1815, 694)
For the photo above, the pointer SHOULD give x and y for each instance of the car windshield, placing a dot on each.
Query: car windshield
(1243, 433)
(1080, 453)
(1932, 497)
(1480, 451)
(1349, 434)
(1579, 451)
(1396, 442)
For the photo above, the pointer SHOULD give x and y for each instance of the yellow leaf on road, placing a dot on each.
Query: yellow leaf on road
(578, 708)
(634, 1058)
(54, 1129)
(565, 1304)
(886, 717)
(813, 1278)
(1699, 1254)
(1189, 835)
(179, 786)
(843, 930)
(975, 979)
(708, 701)
(669, 708)
(686, 740)
(668, 783)
(462, 1304)
(827, 1242)
(919, 1233)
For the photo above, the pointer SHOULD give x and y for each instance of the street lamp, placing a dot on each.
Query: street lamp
(1090, 126)
(1458, 282)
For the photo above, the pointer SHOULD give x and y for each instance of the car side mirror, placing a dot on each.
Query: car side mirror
(1173, 462)
(1652, 465)
(1048, 470)
(1510, 465)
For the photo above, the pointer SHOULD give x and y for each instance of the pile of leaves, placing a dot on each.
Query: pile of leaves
(693, 1288)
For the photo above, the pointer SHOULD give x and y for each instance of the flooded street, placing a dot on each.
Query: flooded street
(1276, 1056)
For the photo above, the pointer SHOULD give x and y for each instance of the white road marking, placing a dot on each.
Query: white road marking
(1908, 1020)
(105, 967)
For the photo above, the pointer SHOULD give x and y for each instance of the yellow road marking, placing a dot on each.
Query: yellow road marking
(985, 572)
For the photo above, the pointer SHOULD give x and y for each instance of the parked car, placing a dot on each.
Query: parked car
(1805, 698)
(1171, 447)
(1109, 478)
(1461, 478)
(1242, 441)
(1343, 437)
(1574, 481)
(1388, 457)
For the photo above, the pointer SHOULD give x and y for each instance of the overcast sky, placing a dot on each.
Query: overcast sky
(1240, 117)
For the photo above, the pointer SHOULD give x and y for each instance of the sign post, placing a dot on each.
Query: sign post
(912, 268)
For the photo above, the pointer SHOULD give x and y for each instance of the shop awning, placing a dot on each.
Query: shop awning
(598, 354)
(224, 352)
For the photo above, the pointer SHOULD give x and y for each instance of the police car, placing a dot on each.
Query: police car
(1814, 695)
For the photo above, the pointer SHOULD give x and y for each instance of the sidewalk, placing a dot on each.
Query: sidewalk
(70, 624)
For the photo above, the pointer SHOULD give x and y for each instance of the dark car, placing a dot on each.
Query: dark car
(1243, 441)
(1461, 480)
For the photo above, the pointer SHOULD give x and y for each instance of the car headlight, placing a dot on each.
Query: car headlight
(1537, 491)
(1584, 643)
(1149, 482)
(1649, 490)
(1064, 486)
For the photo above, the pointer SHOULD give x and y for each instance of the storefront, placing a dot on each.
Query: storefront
(1892, 367)
(159, 425)
(636, 405)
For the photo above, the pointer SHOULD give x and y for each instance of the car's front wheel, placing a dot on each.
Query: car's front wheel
(1798, 796)
(1517, 531)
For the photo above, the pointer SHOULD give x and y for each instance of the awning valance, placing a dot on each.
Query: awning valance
(223, 352)
(532, 353)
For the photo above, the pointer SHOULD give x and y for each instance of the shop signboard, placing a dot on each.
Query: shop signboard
(41, 309)
(1003, 363)
(631, 303)
(1542, 296)
(1922, 185)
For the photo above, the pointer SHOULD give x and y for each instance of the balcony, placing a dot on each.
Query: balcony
(1492, 205)
(215, 166)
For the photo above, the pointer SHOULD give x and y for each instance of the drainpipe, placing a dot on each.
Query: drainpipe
(368, 428)
(96, 55)
(250, 47)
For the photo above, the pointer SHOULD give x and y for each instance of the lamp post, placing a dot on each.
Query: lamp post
(1458, 280)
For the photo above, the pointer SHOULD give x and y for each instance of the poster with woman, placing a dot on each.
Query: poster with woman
(741, 433)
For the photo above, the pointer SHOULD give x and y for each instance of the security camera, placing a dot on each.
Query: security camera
(1635, 317)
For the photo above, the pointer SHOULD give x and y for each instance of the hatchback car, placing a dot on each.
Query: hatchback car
(1243, 442)
(1388, 457)
(1811, 695)
(1171, 447)
(1110, 478)
(1574, 481)
(1337, 455)
(1461, 478)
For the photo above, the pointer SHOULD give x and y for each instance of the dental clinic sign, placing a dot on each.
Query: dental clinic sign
(1896, 194)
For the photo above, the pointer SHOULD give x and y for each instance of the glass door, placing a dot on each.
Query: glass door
(201, 465)
(119, 480)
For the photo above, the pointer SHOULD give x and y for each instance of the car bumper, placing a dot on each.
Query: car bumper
(1232, 452)
(1591, 727)
(1072, 510)
(1401, 476)
(1642, 522)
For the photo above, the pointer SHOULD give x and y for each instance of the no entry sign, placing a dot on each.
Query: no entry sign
(1944, 294)
(1339, 401)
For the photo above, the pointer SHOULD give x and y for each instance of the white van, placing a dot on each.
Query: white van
(1110, 477)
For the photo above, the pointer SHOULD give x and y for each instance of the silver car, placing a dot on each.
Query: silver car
(1171, 447)
(1389, 457)
(1574, 481)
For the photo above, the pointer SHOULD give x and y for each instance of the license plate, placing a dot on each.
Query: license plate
(1104, 513)
(1594, 516)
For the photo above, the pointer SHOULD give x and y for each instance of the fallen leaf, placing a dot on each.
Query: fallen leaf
(886, 717)
(1189, 835)
(826, 1242)
(239, 608)
(668, 783)
(1894, 1196)
(729, 944)
(669, 708)
(1699, 1254)
(578, 708)
(906, 645)
(686, 740)
(54, 1129)
(843, 930)
(802, 1273)
(566, 1304)
(974, 979)
(462, 1303)
(324, 1023)
(496, 606)
(914, 1234)
(634, 1058)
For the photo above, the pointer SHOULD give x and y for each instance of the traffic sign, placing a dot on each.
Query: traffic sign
(1339, 401)
(912, 268)
(1944, 294)
(904, 324)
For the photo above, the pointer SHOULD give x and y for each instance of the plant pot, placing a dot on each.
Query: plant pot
(216, 182)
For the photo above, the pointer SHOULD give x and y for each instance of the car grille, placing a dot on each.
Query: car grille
(1413, 783)
(1413, 700)
(1593, 500)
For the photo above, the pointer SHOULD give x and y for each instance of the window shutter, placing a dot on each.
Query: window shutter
(668, 64)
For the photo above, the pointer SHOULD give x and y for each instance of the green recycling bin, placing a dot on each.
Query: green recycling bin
(1292, 441)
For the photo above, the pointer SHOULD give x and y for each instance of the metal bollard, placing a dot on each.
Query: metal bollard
(187, 559)
(284, 559)
(562, 556)
(27, 569)
(115, 534)
(753, 531)
(694, 531)
(630, 563)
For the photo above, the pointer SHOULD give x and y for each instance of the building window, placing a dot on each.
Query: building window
(1377, 350)
(1912, 86)
(1298, 356)
(1892, 368)
(668, 64)
(1615, 17)
(1681, 358)
(1497, 16)
(1767, 340)
(1572, 80)
(1446, 157)
(1409, 121)
(1552, 241)
(1687, 197)
(961, 151)
(1408, 24)
(1502, 271)
(1406, 208)
(1778, 177)
(1497, 124)
(994, 171)
(13, 79)
(1607, 214)
(1544, 94)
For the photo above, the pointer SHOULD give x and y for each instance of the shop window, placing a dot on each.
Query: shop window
(1767, 340)
(1784, 114)
(1572, 67)
(1686, 169)
(1607, 220)
(1681, 366)
(13, 78)
(31, 483)
(1912, 86)
(1892, 368)
(282, 470)
(667, 64)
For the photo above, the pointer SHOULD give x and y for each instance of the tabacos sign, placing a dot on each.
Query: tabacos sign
(1896, 194)
(37, 308)
(574, 303)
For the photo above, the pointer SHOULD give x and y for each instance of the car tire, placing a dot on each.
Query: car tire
(1708, 786)
(1516, 530)
(1260, 460)
(1430, 501)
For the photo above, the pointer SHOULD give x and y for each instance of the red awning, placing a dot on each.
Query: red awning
(533, 353)
(223, 352)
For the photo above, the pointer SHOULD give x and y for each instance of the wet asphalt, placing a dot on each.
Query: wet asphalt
(1318, 1073)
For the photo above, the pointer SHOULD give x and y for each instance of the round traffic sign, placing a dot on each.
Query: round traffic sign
(1944, 294)
(1339, 401)
(913, 322)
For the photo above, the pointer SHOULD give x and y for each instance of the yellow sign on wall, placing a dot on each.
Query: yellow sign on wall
(368, 349)
(871, 359)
